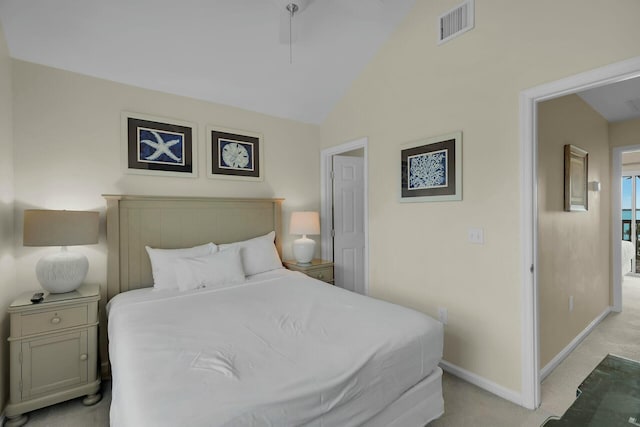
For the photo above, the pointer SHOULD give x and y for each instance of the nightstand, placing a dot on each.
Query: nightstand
(53, 351)
(318, 269)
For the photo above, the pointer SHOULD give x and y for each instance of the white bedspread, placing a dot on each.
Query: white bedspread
(280, 350)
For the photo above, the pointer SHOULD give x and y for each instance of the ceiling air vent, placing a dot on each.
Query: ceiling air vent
(455, 22)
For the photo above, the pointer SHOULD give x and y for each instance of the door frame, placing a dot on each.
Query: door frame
(616, 200)
(326, 198)
(530, 357)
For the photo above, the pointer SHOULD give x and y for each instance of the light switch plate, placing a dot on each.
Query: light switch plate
(476, 236)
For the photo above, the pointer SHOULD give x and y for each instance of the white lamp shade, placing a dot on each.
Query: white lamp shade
(305, 222)
(63, 271)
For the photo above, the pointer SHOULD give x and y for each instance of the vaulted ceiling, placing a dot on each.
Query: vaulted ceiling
(234, 52)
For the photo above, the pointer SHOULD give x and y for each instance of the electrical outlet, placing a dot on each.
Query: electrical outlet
(443, 315)
(476, 236)
(570, 303)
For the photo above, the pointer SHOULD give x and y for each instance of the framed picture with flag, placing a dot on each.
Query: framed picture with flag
(158, 146)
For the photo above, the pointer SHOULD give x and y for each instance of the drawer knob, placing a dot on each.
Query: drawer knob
(83, 357)
(320, 276)
(56, 320)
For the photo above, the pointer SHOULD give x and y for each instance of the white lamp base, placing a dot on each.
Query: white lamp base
(303, 249)
(62, 272)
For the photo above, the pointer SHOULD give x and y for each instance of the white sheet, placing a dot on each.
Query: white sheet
(418, 406)
(280, 350)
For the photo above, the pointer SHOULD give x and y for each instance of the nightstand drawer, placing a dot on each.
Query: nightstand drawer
(317, 269)
(324, 274)
(53, 320)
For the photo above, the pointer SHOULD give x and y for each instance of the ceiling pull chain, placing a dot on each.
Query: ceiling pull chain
(292, 8)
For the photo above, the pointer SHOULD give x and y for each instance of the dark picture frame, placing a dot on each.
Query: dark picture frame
(234, 154)
(576, 179)
(158, 146)
(431, 169)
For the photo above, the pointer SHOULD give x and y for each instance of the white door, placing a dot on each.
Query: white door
(348, 222)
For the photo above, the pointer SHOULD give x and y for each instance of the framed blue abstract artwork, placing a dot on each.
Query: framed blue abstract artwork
(431, 169)
(233, 154)
(158, 146)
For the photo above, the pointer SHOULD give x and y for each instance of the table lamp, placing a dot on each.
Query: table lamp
(304, 223)
(63, 271)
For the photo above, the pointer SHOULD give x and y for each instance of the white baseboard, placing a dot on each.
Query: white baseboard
(553, 364)
(482, 382)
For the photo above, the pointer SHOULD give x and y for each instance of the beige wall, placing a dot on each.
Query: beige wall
(359, 152)
(631, 157)
(7, 263)
(624, 133)
(67, 153)
(573, 247)
(415, 89)
(630, 160)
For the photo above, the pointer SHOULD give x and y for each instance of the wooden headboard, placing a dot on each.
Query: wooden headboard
(134, 222)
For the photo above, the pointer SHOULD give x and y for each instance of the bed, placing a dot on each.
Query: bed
(278, 348)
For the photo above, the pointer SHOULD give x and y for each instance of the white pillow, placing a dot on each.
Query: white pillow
(210, 271)
(163, 263)
(258, 254)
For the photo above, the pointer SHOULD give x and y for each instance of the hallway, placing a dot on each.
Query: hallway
(618, 333)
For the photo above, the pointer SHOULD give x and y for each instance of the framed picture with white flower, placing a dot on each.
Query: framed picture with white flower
(158, 146)
(234, 154)
(431, 169)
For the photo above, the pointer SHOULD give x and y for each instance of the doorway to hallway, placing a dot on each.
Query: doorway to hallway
(344, 213)
(630, 219)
